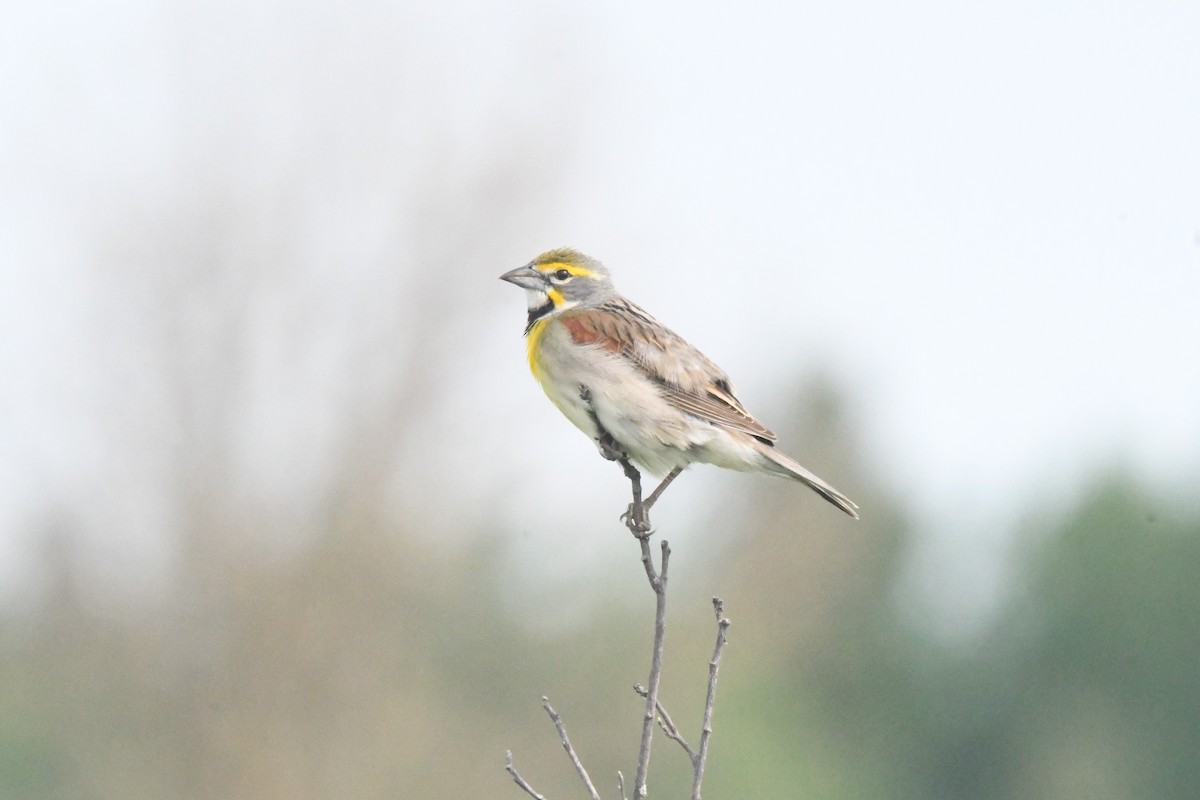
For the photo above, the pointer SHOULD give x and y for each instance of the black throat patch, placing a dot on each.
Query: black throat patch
(537, 313)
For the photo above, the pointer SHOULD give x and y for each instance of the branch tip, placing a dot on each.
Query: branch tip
(517, 779)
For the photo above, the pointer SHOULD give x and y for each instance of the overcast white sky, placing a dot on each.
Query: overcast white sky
(983, 220)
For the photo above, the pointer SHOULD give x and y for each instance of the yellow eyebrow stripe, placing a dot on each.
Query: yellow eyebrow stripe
(577, 271)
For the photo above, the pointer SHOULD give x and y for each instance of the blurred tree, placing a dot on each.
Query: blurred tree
(279, 311)
(1085, 686)
(1103, 643)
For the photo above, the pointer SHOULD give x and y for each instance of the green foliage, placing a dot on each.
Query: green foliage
(372, 665)
(1085, 687)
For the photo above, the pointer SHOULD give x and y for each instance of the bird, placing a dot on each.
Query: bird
(628, 381)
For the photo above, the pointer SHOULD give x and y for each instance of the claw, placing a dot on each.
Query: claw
(638, 527)
(608, 448)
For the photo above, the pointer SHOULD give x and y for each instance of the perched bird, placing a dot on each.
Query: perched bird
(613, 369)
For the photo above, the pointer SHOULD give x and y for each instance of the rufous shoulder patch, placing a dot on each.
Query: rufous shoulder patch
(585, 331)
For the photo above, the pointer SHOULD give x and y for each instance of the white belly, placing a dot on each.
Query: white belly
(629, 406)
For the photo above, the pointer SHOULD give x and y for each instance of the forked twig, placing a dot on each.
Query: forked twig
(668, 726)
(699, 758)
(637, 519)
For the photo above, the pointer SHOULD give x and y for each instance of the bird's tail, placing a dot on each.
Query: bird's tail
(780, 464)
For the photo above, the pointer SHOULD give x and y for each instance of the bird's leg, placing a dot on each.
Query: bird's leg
(608, 446)
(636, 517)
(604, 440)
(662, 487)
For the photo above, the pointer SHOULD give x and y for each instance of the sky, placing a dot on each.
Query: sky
(981, 221)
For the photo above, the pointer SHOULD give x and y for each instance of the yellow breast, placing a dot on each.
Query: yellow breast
(533, 342)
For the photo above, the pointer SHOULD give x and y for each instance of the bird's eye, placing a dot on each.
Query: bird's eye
(562, 275)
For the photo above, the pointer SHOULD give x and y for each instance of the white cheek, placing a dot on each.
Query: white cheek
(536, 298)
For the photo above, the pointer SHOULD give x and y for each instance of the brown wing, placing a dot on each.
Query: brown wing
(689, 380)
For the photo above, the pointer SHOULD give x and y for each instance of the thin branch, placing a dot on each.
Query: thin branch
(516, 776)
(659, 585)
(637, 519)
(701, 758)
(669, 728)
(566, 743)
(655, 577)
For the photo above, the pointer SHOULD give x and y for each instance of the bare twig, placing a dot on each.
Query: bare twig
(669, 728)
(566, 743)
(637, 519)
(516, 776)
(658, 582)
(701, 757)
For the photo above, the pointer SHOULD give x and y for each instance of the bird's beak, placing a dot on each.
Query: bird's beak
(526, 277)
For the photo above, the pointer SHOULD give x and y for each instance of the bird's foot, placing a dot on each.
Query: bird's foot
(608, 448)
(637, 523)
